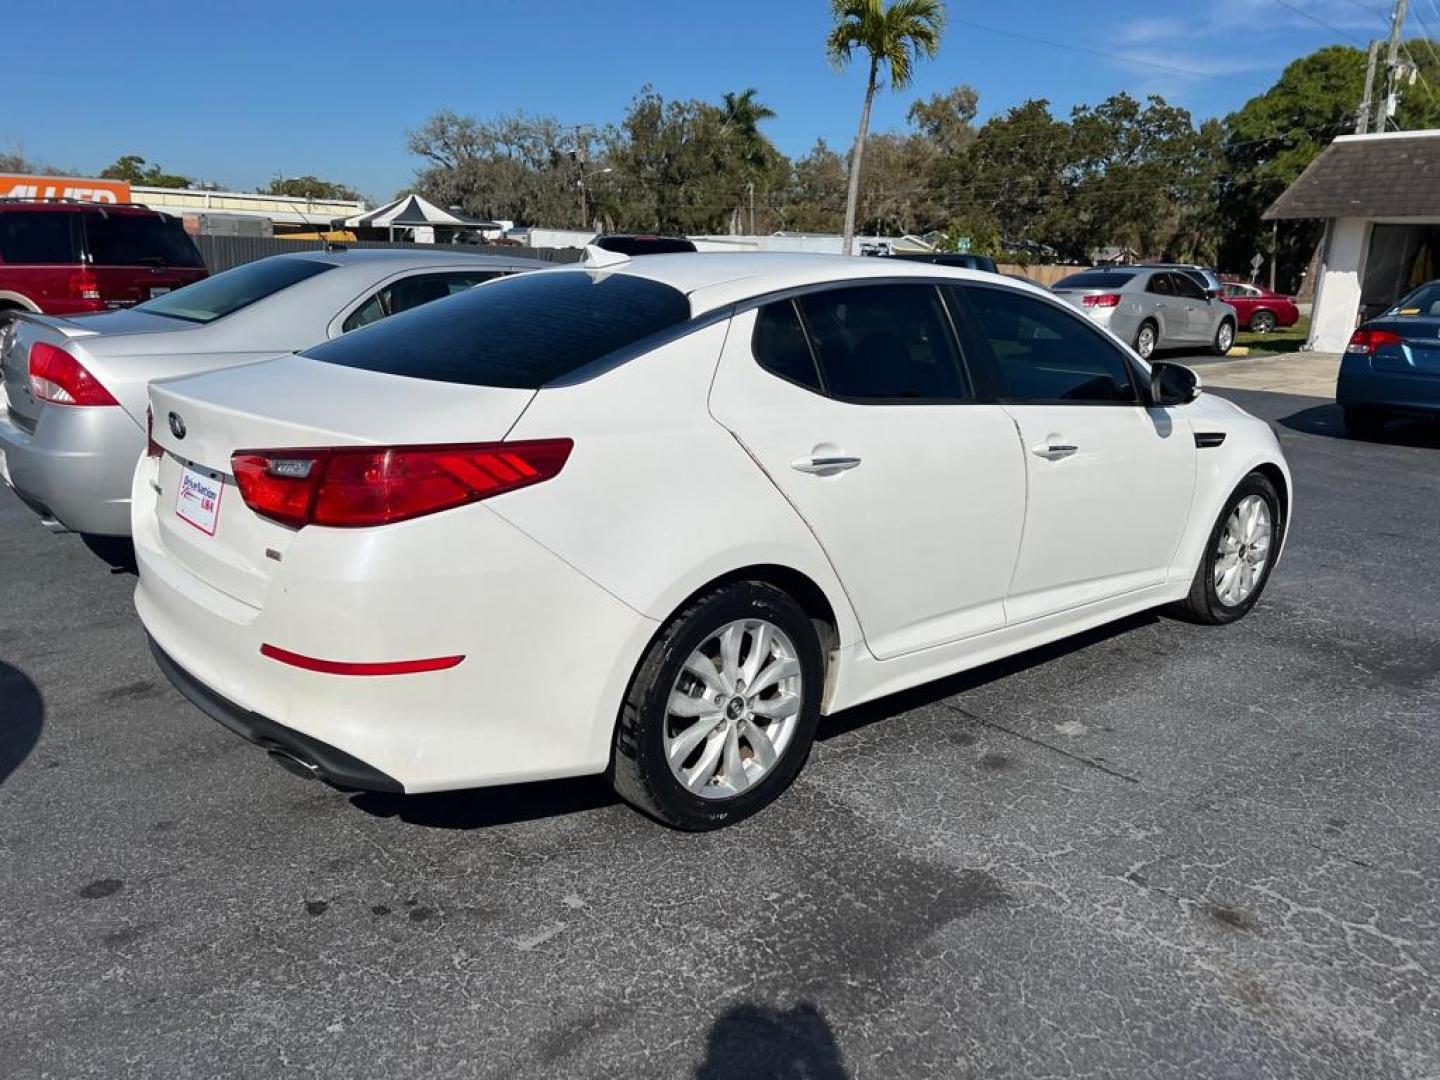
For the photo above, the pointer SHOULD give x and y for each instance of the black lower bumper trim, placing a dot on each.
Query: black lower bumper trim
(331, 765)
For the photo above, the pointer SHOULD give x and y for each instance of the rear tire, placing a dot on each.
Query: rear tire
(686, 665)
(1146, 339)
(1363, 422)
(1240, 533)
(1224, 338)
(1262, 322)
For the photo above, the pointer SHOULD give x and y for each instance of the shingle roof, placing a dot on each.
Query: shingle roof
(1371, 176)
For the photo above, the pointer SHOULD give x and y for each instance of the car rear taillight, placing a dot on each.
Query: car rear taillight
(84, 285)
(1108, 299)
(1365, 341)
(351, 487)
(60, 379)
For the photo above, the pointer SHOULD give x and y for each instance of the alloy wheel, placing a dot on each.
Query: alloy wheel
(1226, 337)
(1262, 323)
(733, 710)
(1145, 342)
(1243, 551)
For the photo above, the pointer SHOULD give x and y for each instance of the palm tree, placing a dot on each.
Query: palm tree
(743, 114)
(895, 36)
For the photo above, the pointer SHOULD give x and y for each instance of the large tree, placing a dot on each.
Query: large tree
(893, 37)
(310, 187)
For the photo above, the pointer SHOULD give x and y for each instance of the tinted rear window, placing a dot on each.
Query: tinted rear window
(37, 238)
(1096, 279)
(139, 240)
(225, 294)
(521, 332)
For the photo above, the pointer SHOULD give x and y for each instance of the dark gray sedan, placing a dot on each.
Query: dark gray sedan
(72, 407)
(1151, 309)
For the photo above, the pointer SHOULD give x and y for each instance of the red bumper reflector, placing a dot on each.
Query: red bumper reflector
(345, 667)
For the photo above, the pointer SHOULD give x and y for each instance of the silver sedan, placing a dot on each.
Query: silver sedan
(73, 393)
(1152, 308)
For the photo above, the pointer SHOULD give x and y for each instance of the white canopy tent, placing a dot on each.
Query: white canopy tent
(411, 212)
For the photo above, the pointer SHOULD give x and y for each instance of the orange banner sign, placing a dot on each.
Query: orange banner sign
(64, 187)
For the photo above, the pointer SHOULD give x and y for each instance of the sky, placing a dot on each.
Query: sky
(241, 93)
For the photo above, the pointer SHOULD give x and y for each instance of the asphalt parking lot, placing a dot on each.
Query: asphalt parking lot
(1159, 850)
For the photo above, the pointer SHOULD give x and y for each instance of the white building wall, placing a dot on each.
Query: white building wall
(1337, 292)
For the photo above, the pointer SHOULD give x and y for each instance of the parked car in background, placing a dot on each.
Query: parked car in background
(1260, 310)
(653, 521)
(1151, 309)
(1392, 365)
(72, 410)
(65, 258)
(962, 259)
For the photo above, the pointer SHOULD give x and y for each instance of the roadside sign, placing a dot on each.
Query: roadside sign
(962, 244)
(1256, 261)
(18, 186)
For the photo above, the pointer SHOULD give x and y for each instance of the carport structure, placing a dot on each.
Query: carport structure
(1379, 196)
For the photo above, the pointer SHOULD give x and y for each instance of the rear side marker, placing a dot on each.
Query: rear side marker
(344, 667)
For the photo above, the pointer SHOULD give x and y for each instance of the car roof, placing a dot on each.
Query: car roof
(75, 206)
(714, 279)
(400, 258)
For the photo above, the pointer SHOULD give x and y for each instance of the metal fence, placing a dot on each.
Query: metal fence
(223, 252)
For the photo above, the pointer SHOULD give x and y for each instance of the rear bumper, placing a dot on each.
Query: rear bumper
(75, 466)
(328, 763)
(1403, 391)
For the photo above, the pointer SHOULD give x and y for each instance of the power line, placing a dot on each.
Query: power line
(1121, 57)
(1319, 21)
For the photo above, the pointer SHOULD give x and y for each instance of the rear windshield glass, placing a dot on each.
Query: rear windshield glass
(1096, 279)
(225, 294)
(1423, 301)
(43, 236)
(519, 332)
(139, 240)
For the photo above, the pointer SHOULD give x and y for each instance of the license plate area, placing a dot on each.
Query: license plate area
(197, 498)
(160, 290)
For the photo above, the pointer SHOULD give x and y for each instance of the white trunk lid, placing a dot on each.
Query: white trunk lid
(292, 402)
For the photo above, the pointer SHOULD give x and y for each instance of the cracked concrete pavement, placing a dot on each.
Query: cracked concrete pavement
(1161, 850)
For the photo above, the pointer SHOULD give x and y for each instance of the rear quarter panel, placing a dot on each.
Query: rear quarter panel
(658, 499)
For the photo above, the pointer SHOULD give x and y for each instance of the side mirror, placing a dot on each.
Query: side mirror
(1213, 294)
(1173, 384)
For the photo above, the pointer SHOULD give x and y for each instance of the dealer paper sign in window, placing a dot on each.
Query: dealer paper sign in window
(198, 500)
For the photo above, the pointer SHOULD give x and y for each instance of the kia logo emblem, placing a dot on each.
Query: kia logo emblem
(177, 426)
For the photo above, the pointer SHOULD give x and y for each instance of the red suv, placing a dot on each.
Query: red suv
(62, 258)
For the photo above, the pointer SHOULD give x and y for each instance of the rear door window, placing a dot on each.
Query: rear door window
(411, 292)
(1042, 353)
(1160, 285)
(224, 294)
(38, 238)
(522, 332)
(885, 343)
(138, 240)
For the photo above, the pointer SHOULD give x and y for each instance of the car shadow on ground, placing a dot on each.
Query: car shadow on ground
(482, 808)
(842, 723)
(760, 1042)
(22, 715)
(1328, 422)
(117, 552)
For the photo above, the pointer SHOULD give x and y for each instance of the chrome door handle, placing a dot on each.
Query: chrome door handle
(824, 466)
(1054, 451)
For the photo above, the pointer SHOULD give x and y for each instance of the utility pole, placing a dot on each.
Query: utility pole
(1274, 250)
(1362, 118)
(750, 188)
(1392, 65)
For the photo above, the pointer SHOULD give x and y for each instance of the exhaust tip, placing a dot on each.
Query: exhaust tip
(292, 764)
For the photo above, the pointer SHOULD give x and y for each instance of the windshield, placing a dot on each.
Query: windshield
(139, 240)
(1096, 279)
(520, 332)
(1423, 301)
(224, 294)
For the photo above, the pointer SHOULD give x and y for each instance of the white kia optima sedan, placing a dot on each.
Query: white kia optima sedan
(653, 517)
